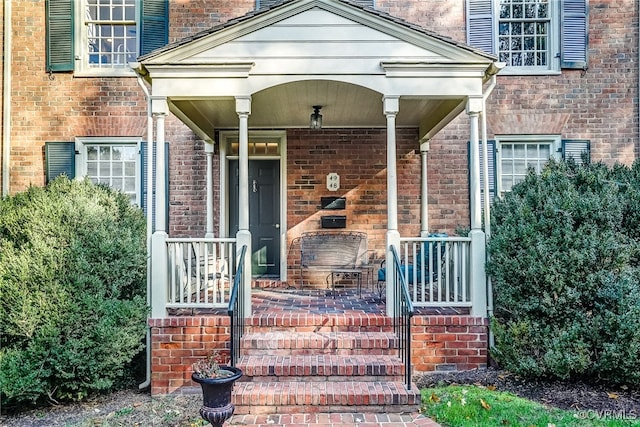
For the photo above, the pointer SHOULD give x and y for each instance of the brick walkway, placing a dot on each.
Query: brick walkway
(333, 420)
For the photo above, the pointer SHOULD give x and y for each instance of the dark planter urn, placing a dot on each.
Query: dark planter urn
(216, 396)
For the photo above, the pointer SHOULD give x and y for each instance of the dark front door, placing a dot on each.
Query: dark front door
(264, 213)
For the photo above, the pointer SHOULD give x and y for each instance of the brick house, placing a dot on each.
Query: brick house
(426, 107)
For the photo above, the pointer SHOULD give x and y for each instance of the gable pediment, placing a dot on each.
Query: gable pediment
(317, 37)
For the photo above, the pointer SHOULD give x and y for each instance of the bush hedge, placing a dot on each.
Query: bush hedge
(564, 260)
(73, 283)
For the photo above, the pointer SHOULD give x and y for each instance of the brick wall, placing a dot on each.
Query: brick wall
(177, 343)
(599, 104)
(449, 343)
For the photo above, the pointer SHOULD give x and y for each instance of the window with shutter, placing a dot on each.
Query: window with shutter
(530, 36)
(101, 37)
(511, 156)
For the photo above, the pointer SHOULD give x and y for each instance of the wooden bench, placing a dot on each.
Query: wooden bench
(342, 254)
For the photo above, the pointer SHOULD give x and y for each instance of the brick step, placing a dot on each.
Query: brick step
(290, 397)
(318, 368)
(307, 322)
(285, 342)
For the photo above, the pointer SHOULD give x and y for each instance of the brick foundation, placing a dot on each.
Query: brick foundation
(178, 342)
(449, 343)
(440, 343)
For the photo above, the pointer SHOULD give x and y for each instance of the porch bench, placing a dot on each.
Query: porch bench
(338, 253)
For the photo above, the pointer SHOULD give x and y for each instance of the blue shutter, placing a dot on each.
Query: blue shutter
(59, 35)
(574, 34)
(143, 182)
(491, 163)
(60, 159)
(480, 28)
(154, 31)
(575, 149)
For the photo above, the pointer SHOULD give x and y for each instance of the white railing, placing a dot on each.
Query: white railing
(437, 270)
(201, 272)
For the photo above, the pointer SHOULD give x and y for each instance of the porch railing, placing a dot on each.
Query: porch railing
(236, 309)
(402, 313)
(201, 272)
(437, 270)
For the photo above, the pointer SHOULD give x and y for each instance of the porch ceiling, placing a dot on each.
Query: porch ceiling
(289, 106)
(351, 58)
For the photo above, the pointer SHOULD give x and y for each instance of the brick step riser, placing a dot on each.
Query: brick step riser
(333, 409)
(318, 328)
(290, 341)
(321, 379)
(314, 351)
(347, 372)
(295, 397)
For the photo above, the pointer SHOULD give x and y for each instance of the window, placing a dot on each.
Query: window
(109, 33)
(530, 36)
(523, 33)
(515, 155)
(101, 37)
(510, 156)
(114, 162)
(118, 162)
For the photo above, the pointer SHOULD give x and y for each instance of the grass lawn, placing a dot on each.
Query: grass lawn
(473, 406)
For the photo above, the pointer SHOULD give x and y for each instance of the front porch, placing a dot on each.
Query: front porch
(314, 343)
(387, 88)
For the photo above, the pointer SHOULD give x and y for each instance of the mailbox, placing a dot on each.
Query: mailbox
(334, 221)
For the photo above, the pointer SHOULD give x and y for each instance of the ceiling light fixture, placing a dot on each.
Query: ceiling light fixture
(316, 118)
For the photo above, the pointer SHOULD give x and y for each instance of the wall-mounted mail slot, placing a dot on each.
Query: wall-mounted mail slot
(334, 221)
(333, 202)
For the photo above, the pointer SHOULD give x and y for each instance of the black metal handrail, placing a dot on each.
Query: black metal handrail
(403, 311)
(236, 309)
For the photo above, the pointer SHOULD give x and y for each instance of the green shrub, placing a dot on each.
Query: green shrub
(564, 260)
(73, 283)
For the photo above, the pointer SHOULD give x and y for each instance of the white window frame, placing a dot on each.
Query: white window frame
(553, 46)
(82, 68)
(555, 142)
(81, 157)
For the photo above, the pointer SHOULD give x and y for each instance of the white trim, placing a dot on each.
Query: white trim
(223, 219)
(80, 40)
(553, 50)
(554, 140)
(81, 158)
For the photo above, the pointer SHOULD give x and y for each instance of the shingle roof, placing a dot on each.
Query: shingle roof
(280, 3)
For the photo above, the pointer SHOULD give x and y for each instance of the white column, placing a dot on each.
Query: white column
(208, 149)
(391, 108)
(243, 109)
(424, 191)
(478, 248)
(159, 259)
